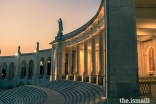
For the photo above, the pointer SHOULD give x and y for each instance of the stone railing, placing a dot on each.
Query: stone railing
(147, 79)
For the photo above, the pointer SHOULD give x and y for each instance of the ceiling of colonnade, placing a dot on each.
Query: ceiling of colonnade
(145, 19)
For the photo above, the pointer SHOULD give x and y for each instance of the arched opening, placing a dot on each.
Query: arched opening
(23, 68)
(4, 69)
(30, 71)
(11, 70)
(150, 59)
(42, 66)
(49, 66)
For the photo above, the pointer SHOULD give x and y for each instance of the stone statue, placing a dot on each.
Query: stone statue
(60, 26)
(37, 48)
(19, 49)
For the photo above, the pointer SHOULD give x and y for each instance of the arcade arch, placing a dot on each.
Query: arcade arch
(4, 70)
(42, 66)
(48, 66)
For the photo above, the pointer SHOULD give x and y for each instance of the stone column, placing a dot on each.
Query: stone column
(85, 75)
(55, 63)
(52, 61)
(60, 60)
(7, 72)
(45, 69)
(17, 70)
(37, 68)
(145, 64)
(77, 60)
(89, 64)
(63, 63)
(142, 58)
(140, 62)
(121, 45)
(27, 70)
(93, 77)
(101, 58)
(74, 64)
(69, 61)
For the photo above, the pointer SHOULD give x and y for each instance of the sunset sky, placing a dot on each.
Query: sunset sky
(24, 22)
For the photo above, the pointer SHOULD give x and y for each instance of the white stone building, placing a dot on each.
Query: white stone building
(102, 51)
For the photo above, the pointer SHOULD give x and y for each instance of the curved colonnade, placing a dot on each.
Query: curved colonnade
(78, 55)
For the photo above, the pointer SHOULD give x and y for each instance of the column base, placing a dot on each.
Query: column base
(74, 77)
(51, 77)
(71, 77)
(90, 79)
(55, 77)
(87, 78)
(80, 78)
(66, 77)
(94, 79)
(101, 80)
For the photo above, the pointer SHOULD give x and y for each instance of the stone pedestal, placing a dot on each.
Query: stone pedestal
(89, 79)
(93, 79)
(101, 80)
(67, 77)
(74, 77)
(79, 78)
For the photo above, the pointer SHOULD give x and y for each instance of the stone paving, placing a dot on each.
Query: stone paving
(54, 97)
(59, 91)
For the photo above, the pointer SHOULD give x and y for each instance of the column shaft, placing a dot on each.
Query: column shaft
(52, 61)
(93, 56)
(45, 70)
(77, 59)
(85, 58)
(63, 62)
(101, 54)
(27, 69)
(69, 60)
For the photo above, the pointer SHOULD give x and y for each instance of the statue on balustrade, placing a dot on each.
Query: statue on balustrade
(60, 27)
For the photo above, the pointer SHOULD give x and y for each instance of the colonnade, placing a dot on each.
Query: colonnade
(83, 61)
